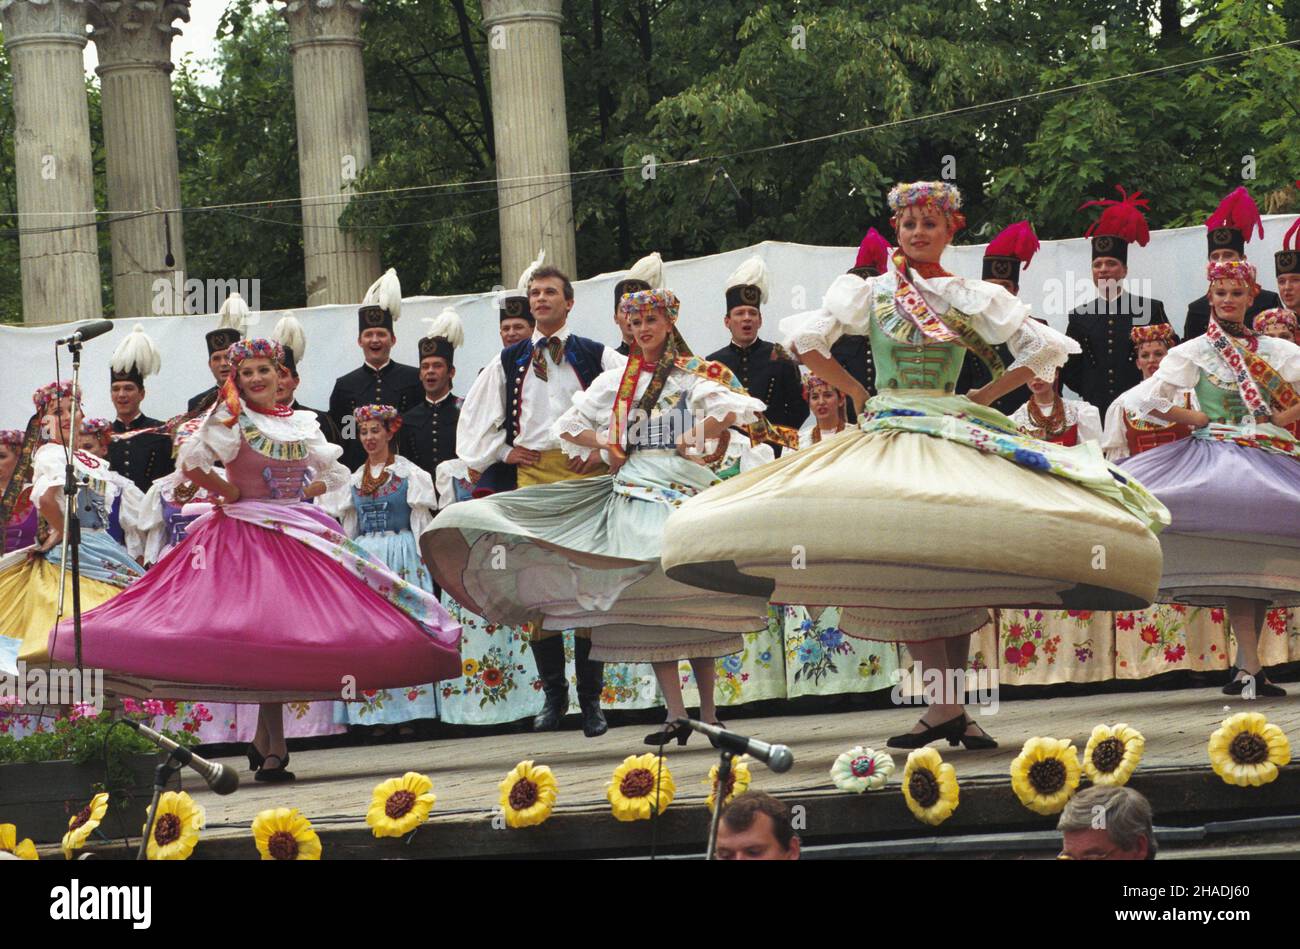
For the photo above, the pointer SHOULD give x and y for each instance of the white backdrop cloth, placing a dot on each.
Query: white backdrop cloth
(1171, 268)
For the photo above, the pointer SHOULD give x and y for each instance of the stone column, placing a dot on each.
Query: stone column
(134, 41)
(329, 94)
(59, 257)
(532, 134)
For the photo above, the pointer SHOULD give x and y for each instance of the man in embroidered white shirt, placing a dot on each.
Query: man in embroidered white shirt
(507, 423)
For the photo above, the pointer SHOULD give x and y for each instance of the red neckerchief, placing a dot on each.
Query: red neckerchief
(279, 411)
(928, 271)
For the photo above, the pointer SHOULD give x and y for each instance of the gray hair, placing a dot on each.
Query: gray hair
(1122, 812)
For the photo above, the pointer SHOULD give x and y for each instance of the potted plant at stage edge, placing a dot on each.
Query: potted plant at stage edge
(50, 774)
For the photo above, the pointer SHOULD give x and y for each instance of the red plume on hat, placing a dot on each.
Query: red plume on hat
(1122, 219)
(1288, 242)
(1237, 211)
(1017, 240)
(873, 252)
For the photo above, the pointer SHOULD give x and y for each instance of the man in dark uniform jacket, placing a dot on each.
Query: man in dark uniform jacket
(1102, 327)
(219, 340)
(1004, 256)
(765, 369)
(288, 333)
(379, 380)
(1226, 232)
(428, 435)
(142, 458)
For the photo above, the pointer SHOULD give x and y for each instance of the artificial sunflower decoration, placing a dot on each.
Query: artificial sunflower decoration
(281, 833)
(929, 786)
(1045, 774)
(1246, 750)
(738, 782)
(642, 786)
(399, 805)
(9, 843)
(176, 828)
(82, 823)
(528, 794)
(862, 769)
(1113, 753)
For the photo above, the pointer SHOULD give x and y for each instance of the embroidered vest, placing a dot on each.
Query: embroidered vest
(583, 354)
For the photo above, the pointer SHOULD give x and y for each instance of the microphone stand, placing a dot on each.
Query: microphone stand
(71, 518)
(166, 770)
(724, 773)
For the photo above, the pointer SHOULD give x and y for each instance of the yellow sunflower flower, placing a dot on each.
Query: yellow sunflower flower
(929, 786)
(528, 794)
(638, 784)
(1045, 774)
(9, 843)
(469, 668)
(737, 782)
(81, 824)
(176, 828)
(1247, 751)
(1113, 753)
(281, 833)
(399, 805)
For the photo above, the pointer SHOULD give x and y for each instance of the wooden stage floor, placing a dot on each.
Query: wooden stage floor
(334, 784)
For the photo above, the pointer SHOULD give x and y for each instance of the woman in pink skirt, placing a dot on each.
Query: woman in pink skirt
(266, 599)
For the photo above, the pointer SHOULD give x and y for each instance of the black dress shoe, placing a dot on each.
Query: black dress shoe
(952, 729)
(979, 742)
(666, 734)
(1263, 687)
(278, 775)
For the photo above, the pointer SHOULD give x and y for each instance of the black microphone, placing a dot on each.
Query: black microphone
(778, 758)
(87, 332)
(220, 779)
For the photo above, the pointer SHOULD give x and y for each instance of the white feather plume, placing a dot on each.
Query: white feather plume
(137, 351)
(290, 334)
(387, 293)
(234, 314)
(528, 271)
(752, 272)
(649, 268)
(447, 324)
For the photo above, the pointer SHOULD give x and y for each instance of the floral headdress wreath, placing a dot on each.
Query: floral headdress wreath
(12, 437)
(1238, 271)
(51, 392)
(237, 353)
(1278, 316)
(1153, 333)
(101, 428)
(380, 413)
(940, 195)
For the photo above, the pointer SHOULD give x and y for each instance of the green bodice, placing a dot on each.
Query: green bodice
(920, 363)
(1221, 405)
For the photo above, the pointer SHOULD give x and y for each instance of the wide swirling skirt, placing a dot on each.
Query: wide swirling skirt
(29, 592)
(267, 601)
(1234, 496)
(917, 521)
(585, 553)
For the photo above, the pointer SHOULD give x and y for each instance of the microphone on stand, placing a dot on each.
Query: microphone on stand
(220, 779)
(87, 332)
(778, 758)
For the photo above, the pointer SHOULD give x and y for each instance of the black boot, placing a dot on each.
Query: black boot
(591, 682)
(549, 654)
